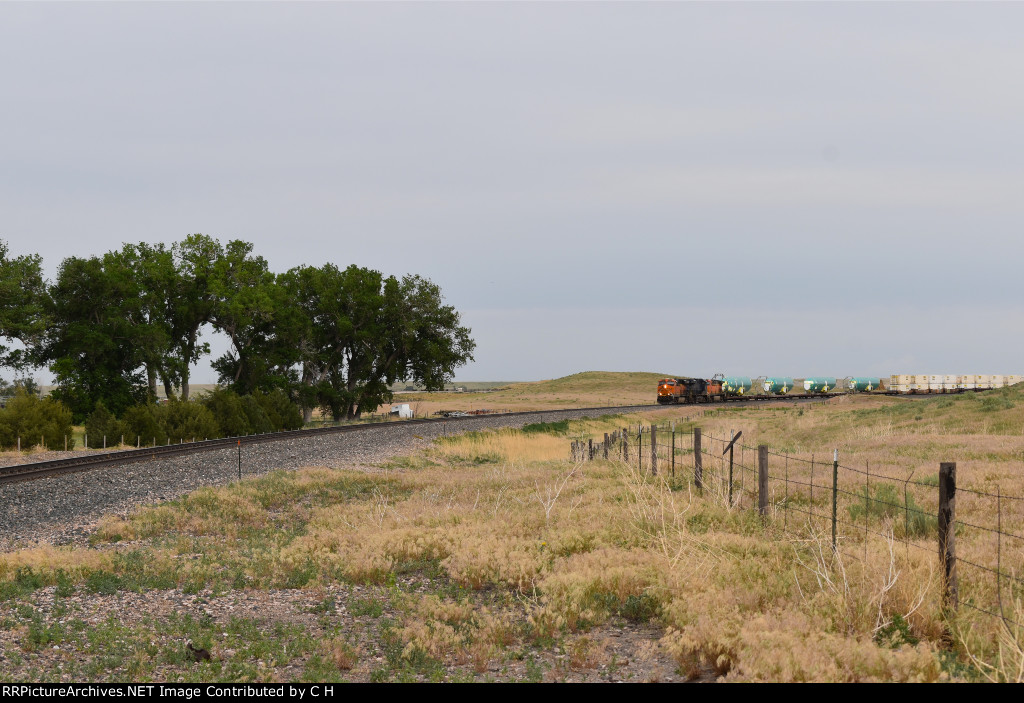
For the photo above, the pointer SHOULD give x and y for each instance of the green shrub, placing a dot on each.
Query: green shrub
(101, 424)
(640, 608)
(32, 419)
(140, 423)
(229, 411)
(185, 420)
(259, 421)
(283, 413)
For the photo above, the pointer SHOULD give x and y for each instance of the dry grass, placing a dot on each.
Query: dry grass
(589, 389)
(539, 552)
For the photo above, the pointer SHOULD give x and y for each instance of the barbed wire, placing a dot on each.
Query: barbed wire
(991, 614)
(989, 529)
(714, 470)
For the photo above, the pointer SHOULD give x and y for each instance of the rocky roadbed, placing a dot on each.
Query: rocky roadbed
(65, 509)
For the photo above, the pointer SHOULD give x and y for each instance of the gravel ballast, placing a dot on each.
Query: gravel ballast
(64, 509)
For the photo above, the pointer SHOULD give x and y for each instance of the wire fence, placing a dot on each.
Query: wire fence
(977, 536)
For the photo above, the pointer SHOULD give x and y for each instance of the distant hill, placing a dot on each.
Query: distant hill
(588, 388)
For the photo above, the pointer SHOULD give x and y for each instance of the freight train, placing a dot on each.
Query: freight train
(720, 388)
(691, 390)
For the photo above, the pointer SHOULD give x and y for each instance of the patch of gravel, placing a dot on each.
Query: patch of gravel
(618, 650)
(65, 509)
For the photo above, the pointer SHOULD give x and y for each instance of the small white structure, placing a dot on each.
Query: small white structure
(403, 410)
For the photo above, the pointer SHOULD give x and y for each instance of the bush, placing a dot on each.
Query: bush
(140, 423)
(101, 423)
(229, 411)
(259, 421)
(185, 420)
(222, 413)
(257, 413)
(32, 419)
(283, 413)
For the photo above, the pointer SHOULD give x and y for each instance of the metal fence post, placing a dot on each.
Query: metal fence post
(947, 528)
(698, 461)
(835, 493)
(673, 462)
(732, 446)
(654, 450)
(762, 479)
(812, 482)
(785, 502)
(639, 448)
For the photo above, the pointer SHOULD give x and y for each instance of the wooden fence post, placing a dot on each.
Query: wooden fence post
(590, 449)
(762, 479)
(698, 461)
(947, 529)
(654, 450)
(605, 445)
(625, 445)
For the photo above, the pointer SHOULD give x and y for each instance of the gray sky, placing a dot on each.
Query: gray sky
(683, 188)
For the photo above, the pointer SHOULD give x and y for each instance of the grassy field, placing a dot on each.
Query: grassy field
(590, 389)
(490, 556)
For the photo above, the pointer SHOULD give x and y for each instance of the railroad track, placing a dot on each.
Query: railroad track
(43, 469)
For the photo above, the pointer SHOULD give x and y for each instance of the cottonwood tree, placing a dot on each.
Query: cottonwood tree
(192, 303)
(246, 298)
(360, 332)
(151, 279)
(96, 343)
(417, 338)
(22, 306)
(332, 338)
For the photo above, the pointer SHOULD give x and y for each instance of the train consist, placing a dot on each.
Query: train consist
(720, 388)
(937, 383)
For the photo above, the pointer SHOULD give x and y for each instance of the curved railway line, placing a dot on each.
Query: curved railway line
(44, 469)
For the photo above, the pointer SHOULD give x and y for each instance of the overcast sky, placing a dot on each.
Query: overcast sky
(682, 188)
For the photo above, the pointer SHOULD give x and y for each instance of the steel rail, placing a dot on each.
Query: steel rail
(42, 469)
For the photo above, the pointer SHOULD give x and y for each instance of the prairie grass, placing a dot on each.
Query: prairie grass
(590, 388)
(525, 551)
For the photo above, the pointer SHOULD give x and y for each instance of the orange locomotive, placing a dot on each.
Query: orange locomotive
(690, 390)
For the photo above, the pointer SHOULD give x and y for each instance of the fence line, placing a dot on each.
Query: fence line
(856, 498)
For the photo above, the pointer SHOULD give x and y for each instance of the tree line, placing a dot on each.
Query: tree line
(113, 328)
